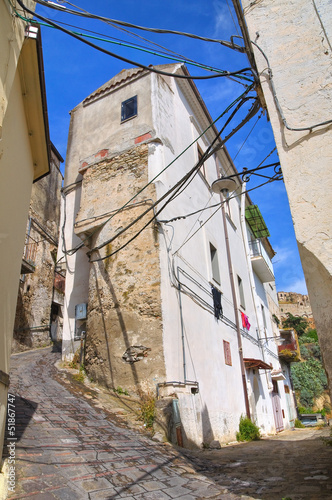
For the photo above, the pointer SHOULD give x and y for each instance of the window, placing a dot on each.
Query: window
(241, 293)
(202, 167)
(214, 264)
(227, 353)
(129, 108)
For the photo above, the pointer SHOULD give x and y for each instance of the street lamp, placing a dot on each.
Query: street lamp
(223, 186)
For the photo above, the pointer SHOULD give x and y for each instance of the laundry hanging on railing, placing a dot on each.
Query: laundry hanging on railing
(245, 321)
(216, 294)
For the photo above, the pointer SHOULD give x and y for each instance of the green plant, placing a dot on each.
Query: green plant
(74, 363)
(276, 319)
(80, 376)
(248, 431)
(309, 380)
(147, 410)
(303, 409)
(305, 354)
(299, 324)
(298, 424)
(119, 390)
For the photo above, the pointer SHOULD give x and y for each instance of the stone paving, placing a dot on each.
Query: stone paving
(69, 448)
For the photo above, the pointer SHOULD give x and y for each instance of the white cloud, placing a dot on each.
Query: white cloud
(222, 18)
(288, 269)
(284, 255)
(298, 286)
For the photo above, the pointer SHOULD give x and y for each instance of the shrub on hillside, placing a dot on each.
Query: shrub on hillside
(309, 380)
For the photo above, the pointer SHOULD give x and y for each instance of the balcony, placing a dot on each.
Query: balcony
(288, 346)
(261, 262)
(29, 256)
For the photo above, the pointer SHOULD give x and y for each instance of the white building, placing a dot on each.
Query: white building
(148, 295)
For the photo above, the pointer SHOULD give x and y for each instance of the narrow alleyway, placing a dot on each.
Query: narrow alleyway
(68, 448)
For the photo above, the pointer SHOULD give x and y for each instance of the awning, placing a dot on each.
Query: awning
(256, 221)
(256, 363)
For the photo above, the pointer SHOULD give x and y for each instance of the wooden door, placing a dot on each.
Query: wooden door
(277, 408)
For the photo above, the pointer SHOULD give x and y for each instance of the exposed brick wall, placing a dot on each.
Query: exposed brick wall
(124, 307)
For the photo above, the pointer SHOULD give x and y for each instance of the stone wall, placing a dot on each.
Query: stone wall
(33, 312)
(124, 345)
(296, 304)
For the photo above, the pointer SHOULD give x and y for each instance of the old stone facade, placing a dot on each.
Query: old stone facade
(36, 308)
(124, 330)
(296, 304)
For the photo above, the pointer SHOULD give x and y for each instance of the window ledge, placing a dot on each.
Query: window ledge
(128, 119)
(231, 222)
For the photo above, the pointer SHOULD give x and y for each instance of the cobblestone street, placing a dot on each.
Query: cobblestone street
(68, 448)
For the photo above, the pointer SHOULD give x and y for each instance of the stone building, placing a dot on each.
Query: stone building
(296, 304)
(171, 303)
(24, 158)
(39, 301)
(290, 45)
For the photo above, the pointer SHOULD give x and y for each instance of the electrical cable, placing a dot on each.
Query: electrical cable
(276, 100)
(177, 187)
(122, 43)
(132, 34)
(129, 61)
(219, 205)
(135, 26)
(245, 172)
(245, 140)
(153, 218)
(179, 57)
(180, 185)
(74, 250)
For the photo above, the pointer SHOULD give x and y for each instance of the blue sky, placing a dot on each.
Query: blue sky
(73, 70)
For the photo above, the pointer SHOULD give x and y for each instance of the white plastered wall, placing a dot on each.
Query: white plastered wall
(16, 176)
(296, 38)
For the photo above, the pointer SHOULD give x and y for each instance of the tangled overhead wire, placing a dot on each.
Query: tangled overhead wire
(242, 73)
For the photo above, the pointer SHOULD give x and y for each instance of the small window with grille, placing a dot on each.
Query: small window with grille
(129, 108)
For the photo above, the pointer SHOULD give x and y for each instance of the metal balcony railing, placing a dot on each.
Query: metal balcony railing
(261, 261)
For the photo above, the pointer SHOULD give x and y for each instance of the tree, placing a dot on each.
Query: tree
(309, 380)
(299, 324)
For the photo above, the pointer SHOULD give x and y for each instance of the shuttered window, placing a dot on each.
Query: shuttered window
(227, 353)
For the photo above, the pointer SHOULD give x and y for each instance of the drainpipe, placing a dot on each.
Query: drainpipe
(251, 276)
(182, 333)
(236, 312)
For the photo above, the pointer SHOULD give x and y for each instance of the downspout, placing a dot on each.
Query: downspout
(27, 236)
(251, 276)
(182, 333)
(237, 321)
